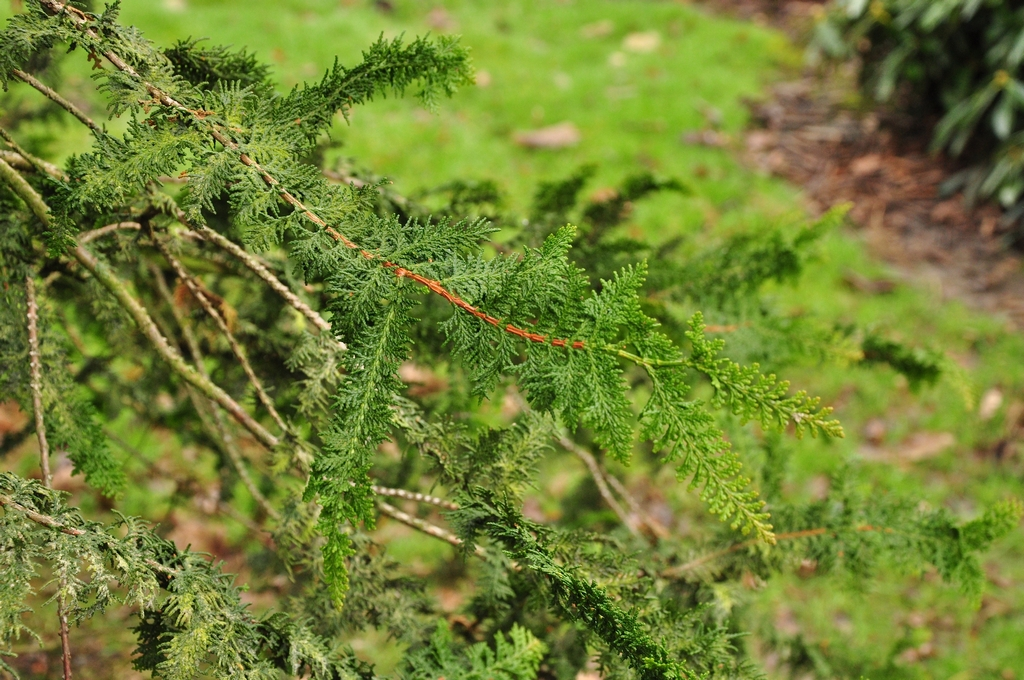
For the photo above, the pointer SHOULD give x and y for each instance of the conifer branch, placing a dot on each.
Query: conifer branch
(35, 385)
(414, 496)
(199, 293)
(54, 96)
(93, 234)
(82, 21)
(426, 527)
(39, 518)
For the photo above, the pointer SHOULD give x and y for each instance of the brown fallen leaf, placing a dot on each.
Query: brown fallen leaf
(990, 403)
(440, 20)
(948, 212)
(557, 136)
(866, 165)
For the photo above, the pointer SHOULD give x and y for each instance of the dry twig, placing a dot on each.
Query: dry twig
(137, 311)
(218, 430)
(59, 100)
(426, 527)
(199, 293)
(414, 496)
(36, 385)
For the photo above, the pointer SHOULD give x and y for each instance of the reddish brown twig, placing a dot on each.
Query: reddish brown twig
(83, 20)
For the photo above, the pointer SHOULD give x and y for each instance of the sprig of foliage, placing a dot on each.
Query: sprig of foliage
(515, 658)
(578, 598)
(199, 626)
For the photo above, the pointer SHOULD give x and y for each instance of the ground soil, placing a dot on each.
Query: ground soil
(813, 132)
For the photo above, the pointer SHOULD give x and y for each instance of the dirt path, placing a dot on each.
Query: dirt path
(880, 163)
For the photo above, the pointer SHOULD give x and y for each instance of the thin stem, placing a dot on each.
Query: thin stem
(599, 479)
(51, 94)
(673, 572)
(89, 236)
(218, 430)
(261, 271)
(414, 496)
(644, 361)
(36, 370)
(602, 479)
(35, 367)
(37, 164)
(200, 294)
(426, 527)
(656, 527)
(65, 643)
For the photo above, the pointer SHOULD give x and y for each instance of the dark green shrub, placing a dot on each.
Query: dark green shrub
(957, 60)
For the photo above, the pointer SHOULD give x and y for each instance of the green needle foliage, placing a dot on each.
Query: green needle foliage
(265, 305)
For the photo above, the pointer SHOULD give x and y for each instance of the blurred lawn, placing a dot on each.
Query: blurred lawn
(545, 62)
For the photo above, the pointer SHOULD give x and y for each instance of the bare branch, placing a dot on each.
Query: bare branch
(414, 496)
(25, 192)
(36, 384)
(218, 430)
(656, 527)
(260, 270)
(602, 485)
(106, 276)
(200, 294)
(19, 157)
(51, 94)
(35, 367)
(426, 527)
(89, 236)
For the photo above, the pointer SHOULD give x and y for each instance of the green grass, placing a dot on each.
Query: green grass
(631, 108)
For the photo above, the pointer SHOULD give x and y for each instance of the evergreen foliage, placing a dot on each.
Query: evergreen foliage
(297, 305)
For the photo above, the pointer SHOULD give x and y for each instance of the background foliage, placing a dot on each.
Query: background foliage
(960, 62)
